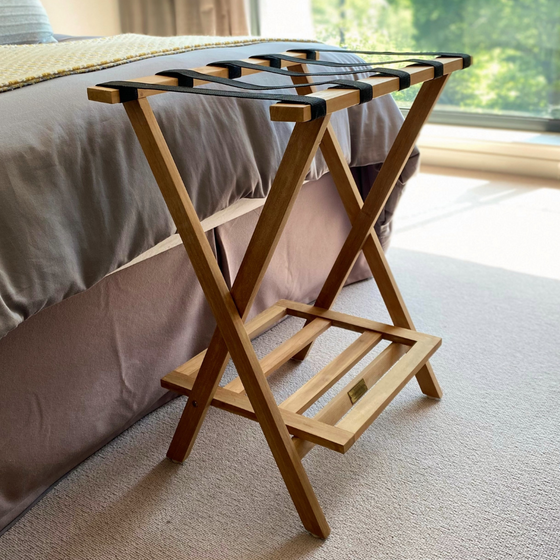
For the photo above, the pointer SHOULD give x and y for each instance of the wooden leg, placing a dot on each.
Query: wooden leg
(373, 252)
(372, 249)
(294, 166)
(220, 299)
(381, 189)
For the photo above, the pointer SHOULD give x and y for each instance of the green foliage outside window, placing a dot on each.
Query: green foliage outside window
(515, 45)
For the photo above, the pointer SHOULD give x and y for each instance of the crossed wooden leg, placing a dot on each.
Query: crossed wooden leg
(231, 308)
(382, 188)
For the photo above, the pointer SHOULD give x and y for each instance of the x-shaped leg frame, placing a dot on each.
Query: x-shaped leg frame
(231, 307)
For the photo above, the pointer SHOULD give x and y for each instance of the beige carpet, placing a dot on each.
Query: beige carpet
(474, 476)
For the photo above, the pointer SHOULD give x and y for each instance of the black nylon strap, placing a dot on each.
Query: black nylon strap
(129, 91)
(366, 90)
(310, 54)
(467, 58)
(402, 75)
(274, 60)
(234, 70)
(277, 60)
(186, 78)
(283, 71)
(437, 66)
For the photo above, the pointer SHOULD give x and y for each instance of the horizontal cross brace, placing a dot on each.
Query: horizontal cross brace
(306, 428)
(357, 324)
(395, 366)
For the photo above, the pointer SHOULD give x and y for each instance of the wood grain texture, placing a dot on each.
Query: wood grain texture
(301, 149)
(230, 323)
(340, 404)
(322, 381)
(357, 324)
(374, 402)
(281, 354)
(310, 429)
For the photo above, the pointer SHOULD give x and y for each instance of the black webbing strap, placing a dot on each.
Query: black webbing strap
(233, 68)
(186, 78)
(402, 75)
(276, 61)
(436, 65)
(366, 90)
(312, 54)
(129, 91)
(282, 71)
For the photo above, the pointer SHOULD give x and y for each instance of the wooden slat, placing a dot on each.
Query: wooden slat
(339, 405)
(338, 99)
(280, 355)
(370, 406)
(255, 327)
(110, 95)
(309, 429)
(320, 383)
(357, 324)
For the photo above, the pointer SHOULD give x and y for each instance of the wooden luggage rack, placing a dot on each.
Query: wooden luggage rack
(341, 422)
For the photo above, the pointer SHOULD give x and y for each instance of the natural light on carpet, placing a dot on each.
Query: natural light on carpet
(490, 219)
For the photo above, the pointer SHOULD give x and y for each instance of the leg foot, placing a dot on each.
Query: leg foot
(428, 382)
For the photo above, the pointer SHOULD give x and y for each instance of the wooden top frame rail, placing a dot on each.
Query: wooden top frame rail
(337, 99)
(111, 96)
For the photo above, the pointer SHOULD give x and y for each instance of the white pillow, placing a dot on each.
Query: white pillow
(24, 21)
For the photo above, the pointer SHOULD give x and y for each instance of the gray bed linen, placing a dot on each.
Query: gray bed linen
(78, 200)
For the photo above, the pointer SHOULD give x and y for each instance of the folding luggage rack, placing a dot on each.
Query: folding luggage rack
(340, 422)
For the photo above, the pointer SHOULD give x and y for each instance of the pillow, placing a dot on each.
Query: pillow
(24, 21)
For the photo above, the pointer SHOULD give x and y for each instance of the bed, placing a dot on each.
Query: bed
(87, 244)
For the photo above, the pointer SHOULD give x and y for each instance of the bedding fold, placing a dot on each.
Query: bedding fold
(78, 200)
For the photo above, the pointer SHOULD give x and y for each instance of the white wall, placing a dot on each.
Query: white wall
(286, 18)
(84, 17)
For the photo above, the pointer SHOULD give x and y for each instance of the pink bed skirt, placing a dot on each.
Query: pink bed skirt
(79, 373)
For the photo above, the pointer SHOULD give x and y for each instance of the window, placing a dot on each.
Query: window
(515, 81)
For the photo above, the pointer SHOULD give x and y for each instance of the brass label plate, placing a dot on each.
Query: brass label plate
(358, 391)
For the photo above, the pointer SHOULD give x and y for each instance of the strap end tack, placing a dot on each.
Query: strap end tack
(274, 60)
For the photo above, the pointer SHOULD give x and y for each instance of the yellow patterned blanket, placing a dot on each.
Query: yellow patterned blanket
(23, 65)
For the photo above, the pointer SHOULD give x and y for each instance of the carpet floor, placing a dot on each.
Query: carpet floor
(475, 475)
